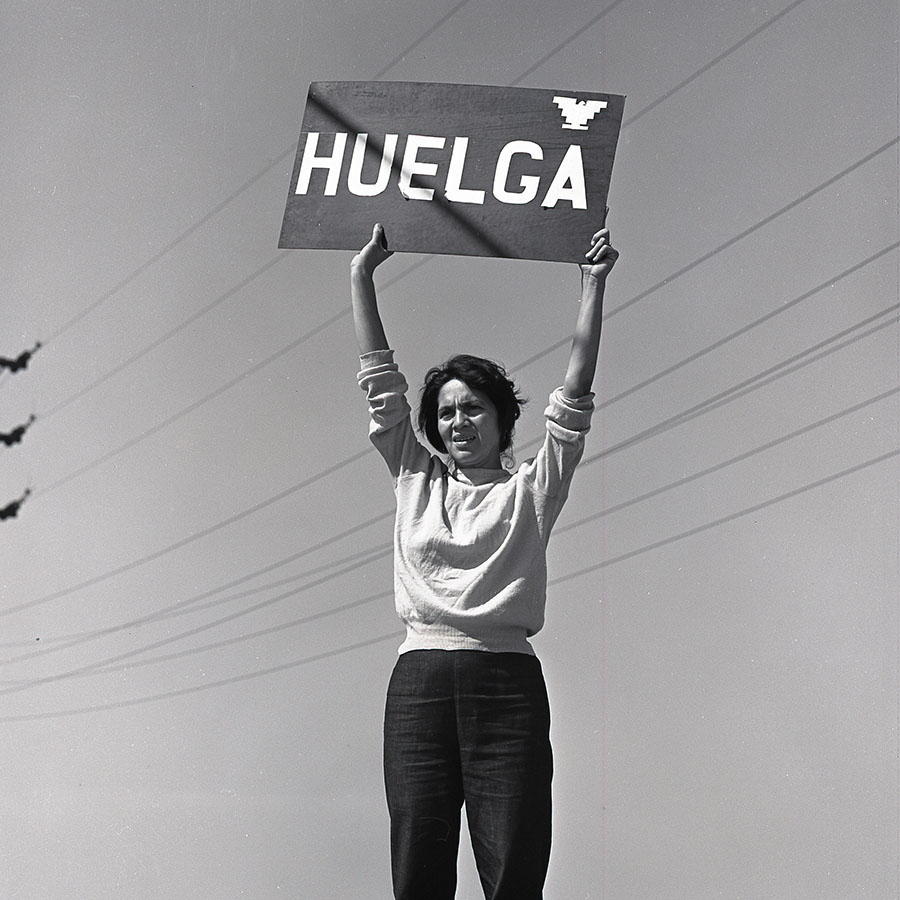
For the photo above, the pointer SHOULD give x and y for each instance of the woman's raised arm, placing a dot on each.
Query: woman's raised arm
(586, 340)
(366, 318)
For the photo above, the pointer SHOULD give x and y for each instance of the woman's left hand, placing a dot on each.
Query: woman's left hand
(602, 256)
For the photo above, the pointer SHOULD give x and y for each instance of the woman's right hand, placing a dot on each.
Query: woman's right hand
(374, 253)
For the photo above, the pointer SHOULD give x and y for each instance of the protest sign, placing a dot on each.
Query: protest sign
(452, 168)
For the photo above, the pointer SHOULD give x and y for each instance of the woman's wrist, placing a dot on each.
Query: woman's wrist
(360, 269)
(592, 285)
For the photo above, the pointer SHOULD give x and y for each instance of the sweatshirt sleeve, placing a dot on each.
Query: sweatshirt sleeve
(385, 387)
(390, 429)
(567, 422)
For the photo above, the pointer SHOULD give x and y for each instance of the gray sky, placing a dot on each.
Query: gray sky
(196, 622)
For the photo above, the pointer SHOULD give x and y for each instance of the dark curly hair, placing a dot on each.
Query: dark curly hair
(479, 374)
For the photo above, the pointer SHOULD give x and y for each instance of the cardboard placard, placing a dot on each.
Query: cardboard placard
(452, 168)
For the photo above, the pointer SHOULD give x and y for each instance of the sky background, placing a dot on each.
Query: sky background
(196, 624)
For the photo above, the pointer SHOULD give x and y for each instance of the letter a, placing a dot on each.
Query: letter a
(571, 172)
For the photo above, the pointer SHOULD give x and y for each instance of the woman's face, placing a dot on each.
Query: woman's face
(468, 424)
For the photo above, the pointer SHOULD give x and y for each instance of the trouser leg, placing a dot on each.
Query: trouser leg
(507, 765)
(422, 776)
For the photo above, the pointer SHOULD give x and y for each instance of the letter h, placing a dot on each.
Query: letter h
(332, 163)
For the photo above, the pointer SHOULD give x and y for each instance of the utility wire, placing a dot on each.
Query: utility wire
(740, 332)
(115, 370)
(237, 679)
(424, 36)
(140, 354)
(207, 397)
(760, 379)
(224, 620)
(125, 567)
(667, 280)
(191, 602)
(240, 190)
(286, 153)
(196, 226)
(421, 262)
(191, 606)
(677, 537)
(563, 44)
(249, 676)
(757, 381)
(230, 642)
(277, 161)
(112, 663)
(764, 378)
(724, 520)
(346, 311)
(724, 246)
(734, 460)
(318, 476)
(714, 62)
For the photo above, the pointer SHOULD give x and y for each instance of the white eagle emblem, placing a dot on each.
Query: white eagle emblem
(578, 113)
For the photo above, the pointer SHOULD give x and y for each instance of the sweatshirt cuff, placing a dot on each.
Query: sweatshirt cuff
(375, 358)
(573, 415)
(586, 402)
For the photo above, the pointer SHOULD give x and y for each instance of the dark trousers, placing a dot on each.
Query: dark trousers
(467, 726)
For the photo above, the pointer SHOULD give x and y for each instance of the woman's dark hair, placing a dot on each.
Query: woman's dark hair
(479, 374)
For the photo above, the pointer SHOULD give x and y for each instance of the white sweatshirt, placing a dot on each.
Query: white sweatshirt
(470, 567)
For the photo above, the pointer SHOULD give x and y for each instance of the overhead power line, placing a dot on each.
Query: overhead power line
(193, 605)
(714, 62)
(237, 679)
(284, 155)
(242, 638)
(262, 673)
(724, 520)
(212, 213)
(291, 148)
(177, 329)
(206, 626)
(193, 602)
(337, 466)
(135, 357)
(387, 285)
(761, 379)
(140, 354)
(745, 329)
(193, 537)
(419, 40)
(564, 43)
(811, 354)
(112, 663)
(767, 220)
(731, 461)
(344, 312)
(184, 541)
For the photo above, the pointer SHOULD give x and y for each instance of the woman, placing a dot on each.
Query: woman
(467, 718)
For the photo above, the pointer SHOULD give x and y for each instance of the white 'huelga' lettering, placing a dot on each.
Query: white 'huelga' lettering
(453, 191)
(412, 166)
(331, 163)
(567, 184)
(354, 177)
(571, 171)
(528, 183)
